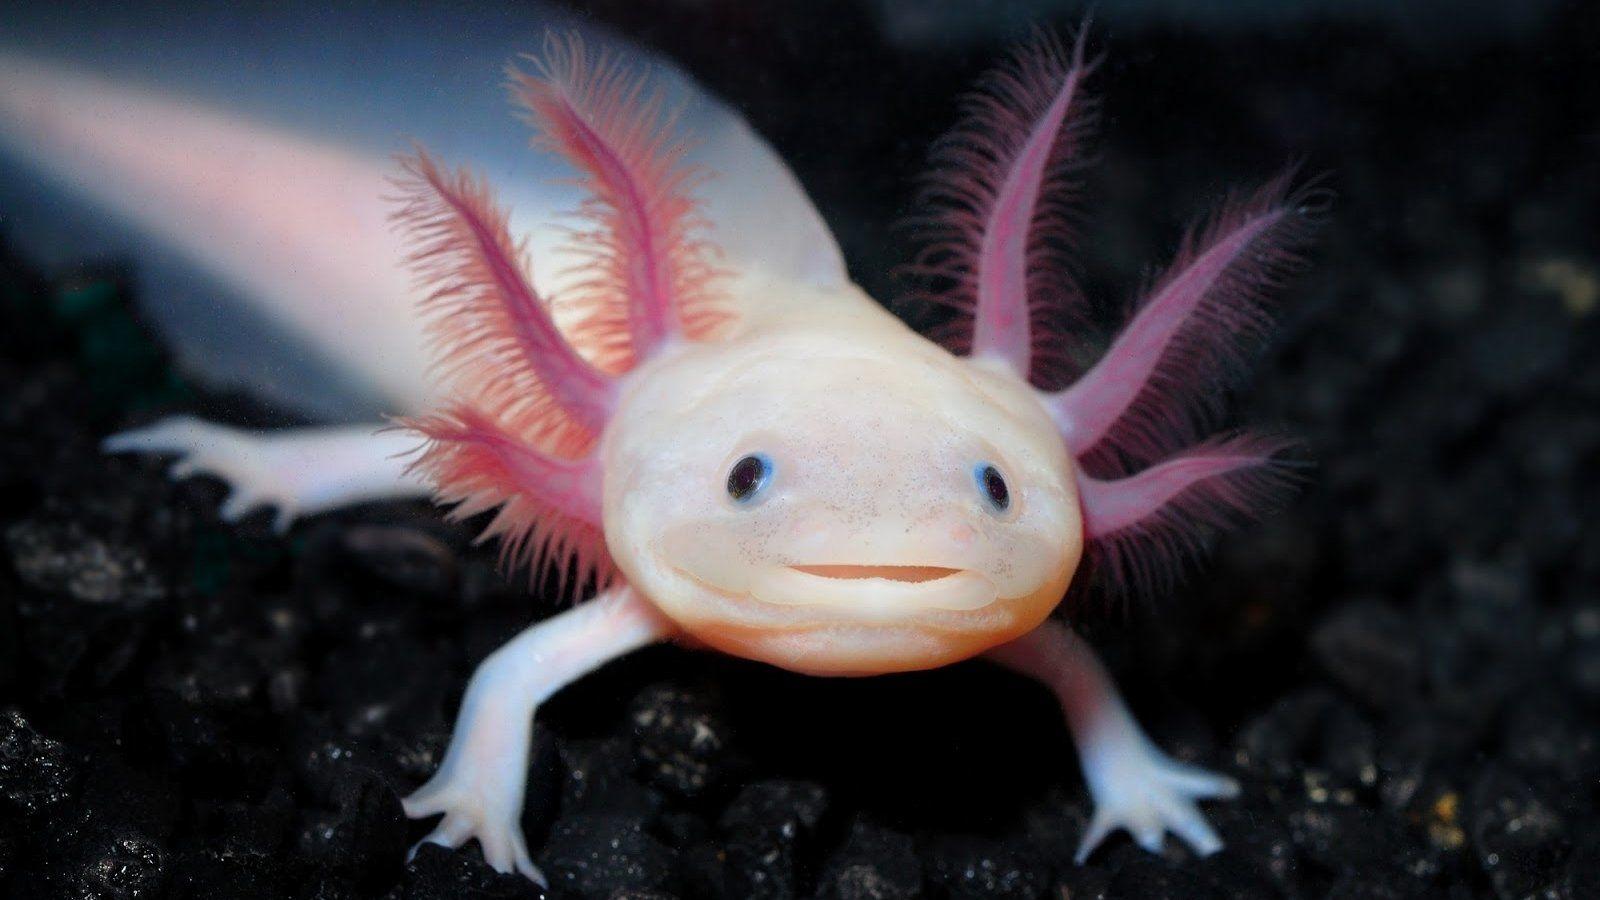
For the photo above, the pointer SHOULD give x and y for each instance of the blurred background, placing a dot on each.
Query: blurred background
(1403, 669)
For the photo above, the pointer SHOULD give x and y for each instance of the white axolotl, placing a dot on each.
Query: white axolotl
(761, 460)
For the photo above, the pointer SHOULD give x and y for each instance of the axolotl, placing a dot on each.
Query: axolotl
(782, 470)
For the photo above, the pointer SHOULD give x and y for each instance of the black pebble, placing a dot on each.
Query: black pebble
(1371, 650)
(1520, 840)
(593, 855)
(875, 863)
(974, 868)
(437, 873)
(36, 774)
(681, 736)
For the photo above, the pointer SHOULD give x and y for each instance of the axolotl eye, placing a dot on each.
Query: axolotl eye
(992, 485)
(749, 477)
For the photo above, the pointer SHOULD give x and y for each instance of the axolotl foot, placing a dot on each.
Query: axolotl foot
(1135, 786)
(235, 457)
(1138, 788)
(479, 786)
(475, 809)
(298, 471)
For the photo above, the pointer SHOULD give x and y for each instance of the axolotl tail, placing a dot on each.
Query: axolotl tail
(242, 162)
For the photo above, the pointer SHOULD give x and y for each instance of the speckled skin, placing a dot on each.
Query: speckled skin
(873, 544)
(874, 433)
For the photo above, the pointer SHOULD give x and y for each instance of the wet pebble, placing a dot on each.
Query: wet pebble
(1371, 650)
(87, 610)
(1520, 840)
(976, 868)
(680, 735)
(402, 558)
(36, 772)
(1159, 880)
(600, 778)
(874, 863)
(1582, 871)
(593, 855)
(1270, 745)
(360, 840)
(1521, 348)
(438, 873)
(766, 834)
(113, 841)
(1546, 735)
(62, 557)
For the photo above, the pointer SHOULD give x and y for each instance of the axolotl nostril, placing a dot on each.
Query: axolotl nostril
(781, 470)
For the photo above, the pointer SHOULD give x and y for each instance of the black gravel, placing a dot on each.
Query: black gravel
(1403, 670)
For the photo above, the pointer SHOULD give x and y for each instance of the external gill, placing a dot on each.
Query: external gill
(1136, 422)
(530, 402)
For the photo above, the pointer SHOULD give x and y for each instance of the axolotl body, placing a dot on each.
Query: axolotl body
(783, 470)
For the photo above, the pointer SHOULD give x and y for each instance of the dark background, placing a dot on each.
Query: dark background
(1403, 669)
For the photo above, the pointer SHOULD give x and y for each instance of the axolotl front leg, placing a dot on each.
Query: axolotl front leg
(298, 471)
(479, 787)
(1135, 786)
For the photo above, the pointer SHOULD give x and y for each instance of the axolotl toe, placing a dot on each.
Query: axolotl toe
(785, 472)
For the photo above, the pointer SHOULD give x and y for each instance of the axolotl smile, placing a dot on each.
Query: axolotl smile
(745, 452)
(887, 532)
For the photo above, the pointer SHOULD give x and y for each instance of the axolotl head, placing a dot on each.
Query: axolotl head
(841, 500)
(789, 472)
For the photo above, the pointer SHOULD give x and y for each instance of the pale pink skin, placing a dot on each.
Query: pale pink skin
(873, 549)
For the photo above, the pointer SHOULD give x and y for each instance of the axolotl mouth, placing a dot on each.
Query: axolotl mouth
(851, 618)
(851, 592)
(872, 592)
